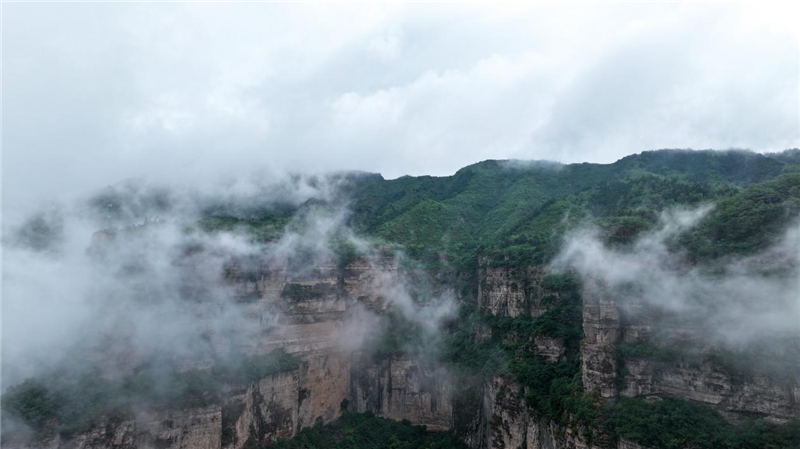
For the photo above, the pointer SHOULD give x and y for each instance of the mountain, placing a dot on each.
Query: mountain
(646, 303)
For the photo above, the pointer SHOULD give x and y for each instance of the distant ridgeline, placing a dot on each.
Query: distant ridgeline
(518, 210)
(529, 338)
(513, 215)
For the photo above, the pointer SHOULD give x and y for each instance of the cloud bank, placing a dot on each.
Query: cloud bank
(737, 303)
(98, 92)
(154, 287)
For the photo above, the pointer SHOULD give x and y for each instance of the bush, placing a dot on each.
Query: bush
(365, 430)
(76, 403)
(674, 423)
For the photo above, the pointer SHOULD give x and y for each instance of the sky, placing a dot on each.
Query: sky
(94, 93)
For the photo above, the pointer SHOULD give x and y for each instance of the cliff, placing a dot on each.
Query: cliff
(678, 362)
(609, 323)
(308, 313)
(304, 312)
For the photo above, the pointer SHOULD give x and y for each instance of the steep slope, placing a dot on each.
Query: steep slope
(535, 358)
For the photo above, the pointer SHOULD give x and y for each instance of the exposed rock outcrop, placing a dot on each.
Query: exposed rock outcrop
(703, 382)
(607, 323)
(402, 388)
(601, 329)
(305, 313)
(505, 290)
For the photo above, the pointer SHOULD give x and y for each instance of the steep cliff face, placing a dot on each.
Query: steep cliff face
(262, 412)
(601, 330)
(608, 325)
(706, 383)
(307, 313)
(508, 291)
(513, 425)
(189, 428)
(402, 388)
(607, 369)
(301, 309)
(505, 420)
(505, 290)
(304, 312)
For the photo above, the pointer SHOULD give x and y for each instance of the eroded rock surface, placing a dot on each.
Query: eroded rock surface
(305, 313)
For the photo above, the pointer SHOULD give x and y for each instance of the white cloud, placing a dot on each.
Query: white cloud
(719, 303)
(94, 93)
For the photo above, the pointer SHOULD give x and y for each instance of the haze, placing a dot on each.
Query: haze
(94, 93)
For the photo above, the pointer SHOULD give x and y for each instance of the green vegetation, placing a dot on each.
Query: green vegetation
(676, 423)
(673, 423)
(365, 430)
(76, 403)
(552, 389)
(748, 221)
(643, 350)
(429, 224)
(516, 215)
(262, 229)
(518, 211)
(734, 167)
(398, 337)
(510, 214)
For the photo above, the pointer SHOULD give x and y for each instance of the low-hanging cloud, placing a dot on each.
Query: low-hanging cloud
(129, 278)
(743, 301)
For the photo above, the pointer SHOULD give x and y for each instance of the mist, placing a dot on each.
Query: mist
(127, 277)
(176, 182)
(735, 303)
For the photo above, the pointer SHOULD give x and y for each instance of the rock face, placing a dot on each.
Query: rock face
(403, 389)
(512, 425)
(301, 310)
(192, 428)
(264, 411)
(510, 291)
(607, 324)
(197, 429)
(601, 330)
(760, 396)
(552, 349)
(505, 422)
(307, 313)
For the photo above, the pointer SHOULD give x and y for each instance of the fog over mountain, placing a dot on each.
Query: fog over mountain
(318, 225)
(758, 304)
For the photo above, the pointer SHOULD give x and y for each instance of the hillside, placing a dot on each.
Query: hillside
(522, 207)
(512, 304)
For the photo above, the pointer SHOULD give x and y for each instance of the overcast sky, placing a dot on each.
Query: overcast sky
(93, 93)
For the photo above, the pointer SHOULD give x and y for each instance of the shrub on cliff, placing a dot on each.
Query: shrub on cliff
(365, 430)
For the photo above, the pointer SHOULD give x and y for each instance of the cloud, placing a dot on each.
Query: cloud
(95, 93)
(152, 287)
(744, 301)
